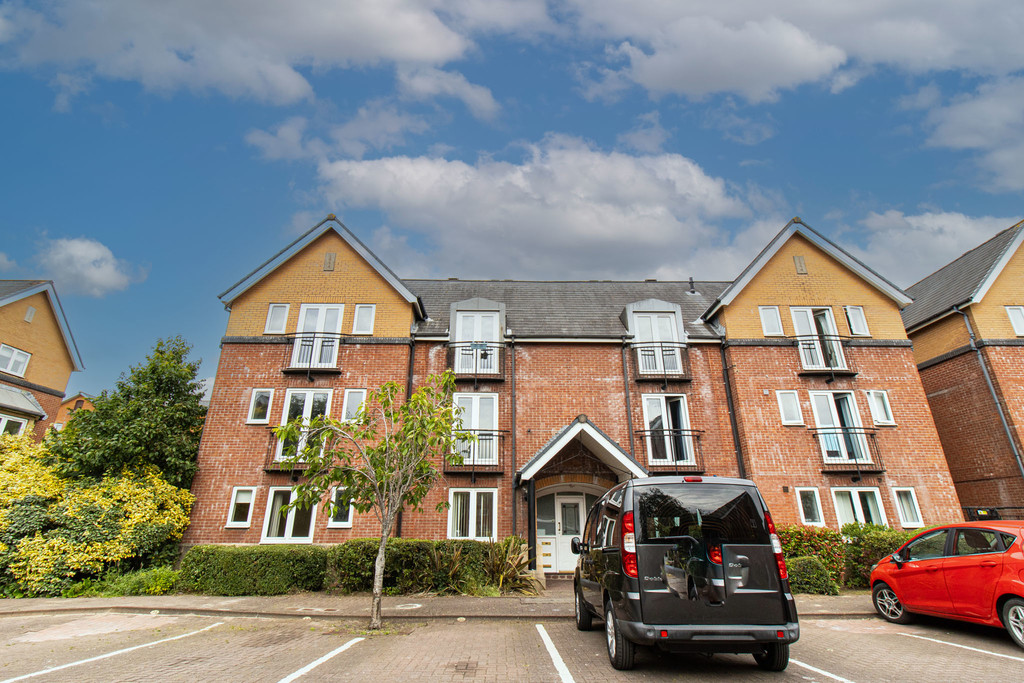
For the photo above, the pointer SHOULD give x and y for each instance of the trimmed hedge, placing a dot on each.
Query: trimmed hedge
(252, 570)
(825, 544)
(410, 566)
(866, 545)
(808, 574)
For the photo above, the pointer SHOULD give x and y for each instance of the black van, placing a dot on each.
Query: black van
(686, 564)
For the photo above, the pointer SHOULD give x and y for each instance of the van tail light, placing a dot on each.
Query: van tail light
(627, 543)
(715, 553)
(776, 546)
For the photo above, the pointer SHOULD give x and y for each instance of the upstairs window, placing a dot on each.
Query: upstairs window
(771, 322)
(789, 407)
(656, 342)
(476, 337)
(307, 404)
(277, 319)
(362, 321)
(13, 361)
(317, 336)
(259, 406)
(838, 427)
(1016, 314)
(669, 439)
(820, 347)
(857, 321)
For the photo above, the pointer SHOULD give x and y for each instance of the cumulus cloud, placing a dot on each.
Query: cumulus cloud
(428, 82)
(376, 126)
(286, 142)
(84, 266)
(648, 135)
(6, 263)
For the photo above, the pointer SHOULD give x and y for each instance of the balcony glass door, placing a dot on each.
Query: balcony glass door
(668, 436)
(656, 343)
(839, 430)
(476, 335)
(316, 340)
(818, 340)
(480, 416)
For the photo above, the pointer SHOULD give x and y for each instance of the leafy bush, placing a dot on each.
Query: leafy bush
(411, 566)
(808, 574)
(866, 545)
(155, 581)
(825, 544)
(507, 566)
(252, 570)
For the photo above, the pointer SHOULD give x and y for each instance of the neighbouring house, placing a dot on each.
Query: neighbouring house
(967, 325)
(37, 356)
(80, 401)
(798, 375)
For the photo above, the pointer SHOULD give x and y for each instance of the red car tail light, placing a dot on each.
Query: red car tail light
(715, 554)
(776, 546)
(627, 544)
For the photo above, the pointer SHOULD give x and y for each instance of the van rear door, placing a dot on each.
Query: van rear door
(705, 555)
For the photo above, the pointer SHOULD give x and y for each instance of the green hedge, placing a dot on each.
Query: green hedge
(252, 570)
(410, 566)
(866, 545)
(809, 575)
(825, 544)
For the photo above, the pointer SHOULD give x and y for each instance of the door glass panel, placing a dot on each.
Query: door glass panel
(546, 515)
(570, 519)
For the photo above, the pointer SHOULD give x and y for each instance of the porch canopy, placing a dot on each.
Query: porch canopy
(596, 441)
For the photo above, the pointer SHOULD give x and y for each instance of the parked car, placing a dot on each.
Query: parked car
(973, 571)
(685, 564)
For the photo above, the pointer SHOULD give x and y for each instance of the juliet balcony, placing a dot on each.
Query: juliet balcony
(849, 450)
(660, 362)
(314, 353)
(824, 355)
(672, 451)
(484, 455)
(477, 361)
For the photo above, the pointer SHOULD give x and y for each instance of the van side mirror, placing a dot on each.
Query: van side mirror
(897, 560)
(576, 546)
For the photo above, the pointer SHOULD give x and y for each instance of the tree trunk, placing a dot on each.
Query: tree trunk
(376, 621)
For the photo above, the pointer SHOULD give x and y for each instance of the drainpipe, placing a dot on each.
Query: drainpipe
(625, 386)
(511, 357)
(992, 390)
(732, 411)
(408, 395)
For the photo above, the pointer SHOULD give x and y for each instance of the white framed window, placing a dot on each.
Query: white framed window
(881, 411)
(259, 407)
(1016, 314)
(344, 511)
(277, 319)
(304, 403)
(857, 504)
(668, 435)
(789, 407)
(12, 425)
(240, 512)
(771, 321)
(810, 506)
(655, 339)
(857, 321)
(479, 414)
(362, 321)
(13, 361)
(472, 514)
(817, 338)
(293, 526)
(838, 427)
(317, 336)
(352, 403)
(907, 507)
(476, 342)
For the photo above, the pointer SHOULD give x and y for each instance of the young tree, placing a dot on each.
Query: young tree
(383, 458)
(152, 417)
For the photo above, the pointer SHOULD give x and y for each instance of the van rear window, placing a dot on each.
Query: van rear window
(710, 512)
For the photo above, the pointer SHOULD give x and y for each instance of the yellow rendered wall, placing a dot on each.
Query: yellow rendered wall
(940, 337)
(51, 365)
(302, 280)
(989, 315)
(827, 283)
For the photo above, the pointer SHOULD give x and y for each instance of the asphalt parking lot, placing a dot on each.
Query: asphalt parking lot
(140, 647)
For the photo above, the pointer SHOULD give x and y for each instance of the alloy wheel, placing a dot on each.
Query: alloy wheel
(888, 604)
(609, 629)
(1015, 622)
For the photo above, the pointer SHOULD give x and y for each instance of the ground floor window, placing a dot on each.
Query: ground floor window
(294, 525)
(341, 517)
(810, 506)
(240, 512)
(12, 425)
(906, 506)
(472, 513)
(862, 505)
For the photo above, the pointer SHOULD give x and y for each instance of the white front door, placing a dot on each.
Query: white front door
(568, 524)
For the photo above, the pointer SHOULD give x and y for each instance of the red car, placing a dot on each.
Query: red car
(973, 571)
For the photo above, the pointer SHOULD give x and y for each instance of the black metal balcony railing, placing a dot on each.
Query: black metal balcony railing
(661, 362)
(484, 455)
(850, 450)
(673, 451)
(272, 462)
(314, 353)
(477, 361)
(823, 354)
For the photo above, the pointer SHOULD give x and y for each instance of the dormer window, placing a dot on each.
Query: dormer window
(476, 342)
(658, 339)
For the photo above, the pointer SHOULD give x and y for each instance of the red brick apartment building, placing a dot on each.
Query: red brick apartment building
(798, 374)
(967, 325)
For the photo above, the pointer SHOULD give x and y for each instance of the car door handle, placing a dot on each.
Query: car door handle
(988, 563)
(933, 569)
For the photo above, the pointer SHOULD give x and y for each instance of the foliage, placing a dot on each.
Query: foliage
(507, 566)
(866, 545)
(384, 458)
(825, 544)
(808, 574)
(153, 418)
(54, 531)
(252, 570)
(412, 566)
(155, 581)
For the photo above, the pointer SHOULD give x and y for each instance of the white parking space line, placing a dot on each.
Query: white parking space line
(820, 671)
(556, 659)
(109, 654)
(965, 647)
(312, 665)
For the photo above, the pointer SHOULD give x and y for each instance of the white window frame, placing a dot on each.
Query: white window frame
(288, 537)
(813, 342)
(907, 524)
(252, 404)
(473, 497)
(477, 455)
(331, 523)
(1016, 316)
(817, 501)
(283, 329)
(669, 448)
(477, 349)
(796, 401)
(352, 395)
(317, 340)
(7, 419)
(770, 314)
(858, 511)
(652, 357)
(878, 400)
(857, 321)
(16, 354)
(830, 430)
(355, 319)
(307, 411)
(231, 507)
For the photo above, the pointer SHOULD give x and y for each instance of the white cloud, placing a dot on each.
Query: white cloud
(648, 136)
(84, 266)
(6, 263)
(735, 127)
(427, 82)
(287, 141)
(377, 126)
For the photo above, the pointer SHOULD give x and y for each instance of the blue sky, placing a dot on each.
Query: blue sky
(155, 152)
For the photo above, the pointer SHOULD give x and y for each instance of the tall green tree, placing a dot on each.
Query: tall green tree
(153, 416)
(384, 459)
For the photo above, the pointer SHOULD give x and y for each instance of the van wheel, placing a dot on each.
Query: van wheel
(1013, 619)
(584, 619)
(621, 652)
(774, 658)
(888, 605)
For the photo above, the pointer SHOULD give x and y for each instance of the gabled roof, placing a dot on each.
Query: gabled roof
(599, 443)
(798, 227)
(331, 223)
(15, 290)
(964, 281)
